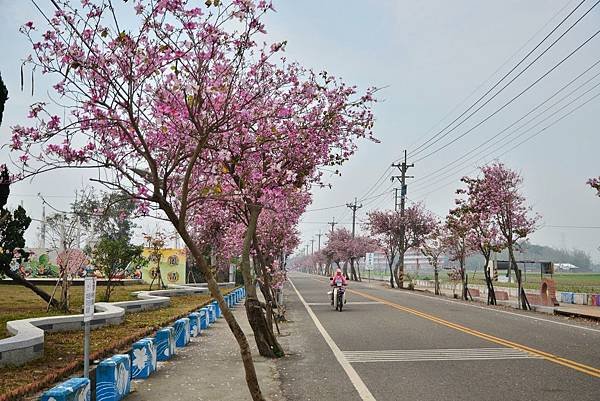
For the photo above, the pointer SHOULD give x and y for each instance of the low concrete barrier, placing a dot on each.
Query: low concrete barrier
(204, 318)
(501, 295)
(165, 343)
(194, 324)
(182, 332)
(212, 313)
(75, 389)
(217, 309)
(113, 378)
(143, 358)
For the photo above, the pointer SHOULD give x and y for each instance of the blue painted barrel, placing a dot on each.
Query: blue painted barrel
(75, 389)
(143, 358)
(204, 318)
(182, 332)
(194, 324)
(113, 378)
(165, 343)
(217, 309)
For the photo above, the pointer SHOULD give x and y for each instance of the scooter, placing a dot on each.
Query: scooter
(339, 296)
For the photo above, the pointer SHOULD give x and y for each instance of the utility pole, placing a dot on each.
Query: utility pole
(319, 250)
(312, 246)
(332, 223)
(354, 207)
(403, 167)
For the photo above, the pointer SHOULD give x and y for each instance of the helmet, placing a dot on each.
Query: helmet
(338, 272)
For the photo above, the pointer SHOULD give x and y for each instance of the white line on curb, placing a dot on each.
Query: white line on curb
(359, 385)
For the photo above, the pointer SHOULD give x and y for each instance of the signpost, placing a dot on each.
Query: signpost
(369, 263)
(89, 298)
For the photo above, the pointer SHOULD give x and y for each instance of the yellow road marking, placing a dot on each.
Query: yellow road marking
(545, 355)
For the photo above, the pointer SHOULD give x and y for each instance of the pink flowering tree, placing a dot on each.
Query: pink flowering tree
(416, 224)
(71, 263)
(188, 105)
(484, 234)
(457, 242)
(360, 246)
(501, 197)
(384, 226)
(338, 248)
(433, 248)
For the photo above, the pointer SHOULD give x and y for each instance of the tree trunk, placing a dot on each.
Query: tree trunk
(246, 354)
(16, 277)
(436, 280)
(353, 270)
(399, 271)
(491, 299)
(265, 339)
(522, 298)
(345, 270)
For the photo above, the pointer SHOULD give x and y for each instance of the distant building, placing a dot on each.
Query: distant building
(565, 267)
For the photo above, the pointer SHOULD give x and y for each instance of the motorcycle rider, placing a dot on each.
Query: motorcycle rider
(337, 278)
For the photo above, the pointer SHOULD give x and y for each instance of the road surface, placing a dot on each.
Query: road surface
(394, 345)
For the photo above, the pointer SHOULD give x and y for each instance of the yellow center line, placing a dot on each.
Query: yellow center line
(545, 355)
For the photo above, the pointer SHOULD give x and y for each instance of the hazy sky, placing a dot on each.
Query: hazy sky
(433, 59)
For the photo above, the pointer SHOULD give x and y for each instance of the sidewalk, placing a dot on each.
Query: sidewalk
(209, 369)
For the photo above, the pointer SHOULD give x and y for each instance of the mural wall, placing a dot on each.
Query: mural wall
(172, 265)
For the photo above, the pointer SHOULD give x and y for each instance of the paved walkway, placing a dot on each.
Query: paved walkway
(209, 369)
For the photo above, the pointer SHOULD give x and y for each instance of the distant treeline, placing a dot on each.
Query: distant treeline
(530, 251)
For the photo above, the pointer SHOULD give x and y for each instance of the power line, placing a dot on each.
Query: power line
(512, 148)
(512, 99)
(419, 180)
(429, 142)
(490, 76)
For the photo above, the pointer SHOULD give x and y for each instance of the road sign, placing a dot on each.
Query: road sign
(369, 261)
(89, 298)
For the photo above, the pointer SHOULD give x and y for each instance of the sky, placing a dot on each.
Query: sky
(432, 60)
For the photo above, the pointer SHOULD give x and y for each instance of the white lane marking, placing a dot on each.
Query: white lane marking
(359, 385)
(347, 303)
(469, 354)
(434, 298)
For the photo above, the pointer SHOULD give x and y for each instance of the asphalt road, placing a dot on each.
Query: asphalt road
(400, 345)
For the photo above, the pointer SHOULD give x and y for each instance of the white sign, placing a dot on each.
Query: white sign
(369, 261)
(89, 298)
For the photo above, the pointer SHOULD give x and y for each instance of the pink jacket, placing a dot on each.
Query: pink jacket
(336, 278)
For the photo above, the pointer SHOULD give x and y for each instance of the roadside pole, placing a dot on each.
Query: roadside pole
(89, 298)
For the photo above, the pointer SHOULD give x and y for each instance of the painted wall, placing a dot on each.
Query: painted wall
(172, 266)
